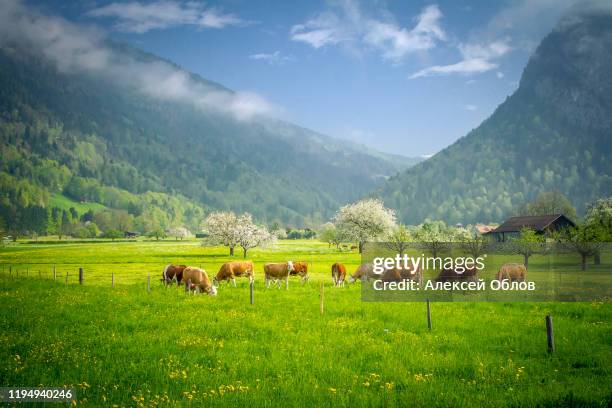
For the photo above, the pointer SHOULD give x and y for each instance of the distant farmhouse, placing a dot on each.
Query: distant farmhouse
(541, 224)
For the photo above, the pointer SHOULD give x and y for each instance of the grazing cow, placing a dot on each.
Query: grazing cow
(512, 272)
(366, 270)
(400, 274)
(277, 271)
(173, 272)
(301, 269)
(230, 270)
(451, 275)
(198, 280)
(338, 274)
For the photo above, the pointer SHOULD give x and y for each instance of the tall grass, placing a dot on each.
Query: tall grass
(127, 347)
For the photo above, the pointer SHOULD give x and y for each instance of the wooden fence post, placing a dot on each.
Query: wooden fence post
(322, 297)
(11, 271)
(428, 316)
(66, 276)
(550, 337)
(113, 280)
(251, 285)
(81, 273)
(54, 273)
(27, 271)
(149, 283)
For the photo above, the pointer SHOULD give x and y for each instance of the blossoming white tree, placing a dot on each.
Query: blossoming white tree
(365, 220)
(251, 235)
(180, 233)
(222, 229)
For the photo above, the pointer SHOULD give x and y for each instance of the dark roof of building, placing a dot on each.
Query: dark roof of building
(536, 222)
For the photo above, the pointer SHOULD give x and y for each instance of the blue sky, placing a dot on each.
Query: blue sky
(406, 77)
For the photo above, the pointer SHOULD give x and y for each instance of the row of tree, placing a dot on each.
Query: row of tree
(369, 220)
(360, 222)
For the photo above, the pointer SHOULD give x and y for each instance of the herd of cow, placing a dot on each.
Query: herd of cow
(197, 279)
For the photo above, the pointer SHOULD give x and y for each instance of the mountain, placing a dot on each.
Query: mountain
(85, 137)
(553, 133)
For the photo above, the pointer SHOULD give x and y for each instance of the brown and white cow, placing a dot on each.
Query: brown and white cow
(198, 280)
(400, 274)
(300, 269)
(512, 272)
(452, 275)
(338, 274)
(365, 270)
(230, 270)
(277, 271)
(173, 273)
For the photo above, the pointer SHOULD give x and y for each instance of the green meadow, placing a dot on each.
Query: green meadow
(64, 203)
(125, 346)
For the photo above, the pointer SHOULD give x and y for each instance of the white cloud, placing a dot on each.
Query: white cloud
(471, 107)
(488, 51)
(465, 67)
(525, 21)
(322, 30)
(350, 26)
(477, 58)
(499, 74)
(77, 49)
(139, 17)
(395, 42)
(274, 58)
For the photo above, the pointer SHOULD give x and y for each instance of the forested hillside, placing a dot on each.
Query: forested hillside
(75, 136)
(553, 133)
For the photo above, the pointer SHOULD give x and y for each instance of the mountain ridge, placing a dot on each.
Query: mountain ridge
(552, 133)
(101, 139)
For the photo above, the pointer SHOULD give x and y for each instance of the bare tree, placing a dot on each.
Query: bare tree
(527, 244)
(586, 240)
(473, 243)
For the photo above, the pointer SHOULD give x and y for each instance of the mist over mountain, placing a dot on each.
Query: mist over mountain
(99, 122)
(553, 133)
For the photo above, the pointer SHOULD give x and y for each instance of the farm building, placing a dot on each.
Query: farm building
(541, 224)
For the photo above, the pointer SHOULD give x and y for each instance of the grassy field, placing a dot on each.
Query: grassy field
(63, 202)
(127, 347)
